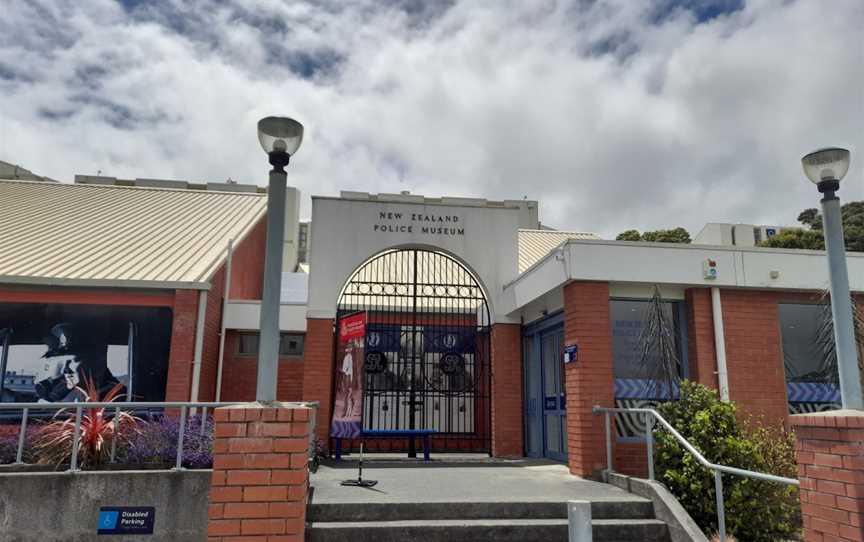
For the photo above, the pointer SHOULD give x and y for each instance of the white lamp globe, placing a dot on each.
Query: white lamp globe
(280, 134)
(830, 164)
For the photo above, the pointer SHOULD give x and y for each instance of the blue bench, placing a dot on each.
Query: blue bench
(426, 434)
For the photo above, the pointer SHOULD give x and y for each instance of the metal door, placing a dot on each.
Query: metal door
(553, 395)
(427, 362)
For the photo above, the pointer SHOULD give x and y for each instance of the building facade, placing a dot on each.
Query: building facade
(471, 308)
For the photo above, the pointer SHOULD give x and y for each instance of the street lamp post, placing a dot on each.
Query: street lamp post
(280, 137)
(826, 168)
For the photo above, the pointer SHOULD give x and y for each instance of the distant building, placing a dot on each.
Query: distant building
(739, 235)
(17, 387)
(303, 237)
(16, 172)
(18, 381)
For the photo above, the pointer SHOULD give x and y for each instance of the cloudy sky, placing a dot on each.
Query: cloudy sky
(612, 113)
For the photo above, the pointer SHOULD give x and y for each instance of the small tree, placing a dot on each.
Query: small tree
(629, 235)
(812, 238)
(674, 235)
(828, 369)
(756, 511)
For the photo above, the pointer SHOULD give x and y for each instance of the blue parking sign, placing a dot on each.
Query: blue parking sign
(126, 520)
(108, 519)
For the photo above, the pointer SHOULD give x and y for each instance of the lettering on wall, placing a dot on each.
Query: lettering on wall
(424, 224)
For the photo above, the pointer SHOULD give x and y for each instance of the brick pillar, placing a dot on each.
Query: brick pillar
(507, 390)
(180, 359)
(830, 454)
(318, 371)
(589, 381)
(700, 337)
(260, 474)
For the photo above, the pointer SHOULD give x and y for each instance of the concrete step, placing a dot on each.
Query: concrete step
(636, 508)
(477, 530)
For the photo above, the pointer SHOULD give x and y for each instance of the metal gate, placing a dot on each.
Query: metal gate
(427, 357)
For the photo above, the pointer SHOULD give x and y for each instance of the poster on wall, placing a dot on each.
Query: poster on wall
(65, 353)
(348, 400)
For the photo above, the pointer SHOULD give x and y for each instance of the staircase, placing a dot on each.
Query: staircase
(630, 519)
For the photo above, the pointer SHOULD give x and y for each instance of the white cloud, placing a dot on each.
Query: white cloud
(609, 115)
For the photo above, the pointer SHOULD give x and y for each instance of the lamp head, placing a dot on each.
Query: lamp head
(280, 134)
(826, 167)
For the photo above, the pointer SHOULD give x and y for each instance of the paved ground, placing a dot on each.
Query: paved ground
(459, 481)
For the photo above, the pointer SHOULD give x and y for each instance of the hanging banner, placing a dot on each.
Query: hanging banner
(348, 400)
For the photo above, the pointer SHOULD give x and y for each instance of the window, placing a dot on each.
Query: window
(248, 344)
(627, 318)
(290, 344)
(634, 387)
(808, 358)
(807, 343)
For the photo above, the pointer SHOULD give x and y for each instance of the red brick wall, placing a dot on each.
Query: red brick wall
(246, 283)
(589, 381)
(239, 374)
(631, 458)
(700, 340)
(182, 345)
(754, 347)
(247, 264)
(212, 328)
(753, 353)
(260, 475)
(318, 370)
(830, 454)
(507, 404)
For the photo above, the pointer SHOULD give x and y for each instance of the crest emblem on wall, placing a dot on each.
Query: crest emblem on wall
(450, 340)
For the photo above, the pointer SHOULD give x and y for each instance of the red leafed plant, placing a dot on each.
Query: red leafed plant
(53, 442)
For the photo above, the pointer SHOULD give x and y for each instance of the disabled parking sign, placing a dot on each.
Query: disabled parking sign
(126, 520)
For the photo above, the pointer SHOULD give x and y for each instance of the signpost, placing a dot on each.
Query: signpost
(571, 353)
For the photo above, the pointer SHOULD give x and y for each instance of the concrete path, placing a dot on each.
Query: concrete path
(467, 481)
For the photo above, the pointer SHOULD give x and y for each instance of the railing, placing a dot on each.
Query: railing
(185, 407)
(651, 416)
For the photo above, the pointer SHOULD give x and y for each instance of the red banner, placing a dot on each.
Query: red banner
(348, 399)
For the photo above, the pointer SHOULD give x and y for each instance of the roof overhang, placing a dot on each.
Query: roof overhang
(679, 265)
(103, 283)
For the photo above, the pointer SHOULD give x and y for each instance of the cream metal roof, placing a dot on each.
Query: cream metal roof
(98, 235)
(535, 244)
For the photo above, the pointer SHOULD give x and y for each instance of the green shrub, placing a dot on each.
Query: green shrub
(756, 511)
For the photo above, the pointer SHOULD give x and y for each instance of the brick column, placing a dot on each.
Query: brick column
(590, 380)
(700, 337)
(754, 357)
(182, 345)
(507, 390)
(318, 371)
(830, 454)
(260, 474)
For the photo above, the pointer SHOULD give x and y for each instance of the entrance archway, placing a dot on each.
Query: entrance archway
(427, 359)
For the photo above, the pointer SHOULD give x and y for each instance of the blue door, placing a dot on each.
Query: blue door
(545, 401)
(554, 421)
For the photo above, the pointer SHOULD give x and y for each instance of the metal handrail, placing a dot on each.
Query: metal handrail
(184, 406)
(651, 416)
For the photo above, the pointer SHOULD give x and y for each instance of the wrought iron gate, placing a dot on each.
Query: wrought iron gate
(427, 360)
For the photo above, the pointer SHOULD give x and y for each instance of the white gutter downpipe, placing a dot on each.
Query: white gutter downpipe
(199, 345)
(225, 299)
(720, 344)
